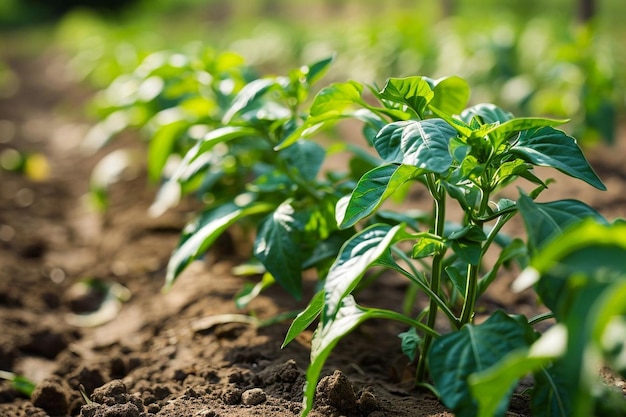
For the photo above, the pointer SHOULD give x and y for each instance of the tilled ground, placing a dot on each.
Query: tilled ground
(171, 354)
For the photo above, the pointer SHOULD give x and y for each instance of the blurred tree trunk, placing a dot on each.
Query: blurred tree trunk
(586, 10)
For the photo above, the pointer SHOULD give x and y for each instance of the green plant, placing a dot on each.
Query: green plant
(173, 98)
(467, 155)
(247, 175)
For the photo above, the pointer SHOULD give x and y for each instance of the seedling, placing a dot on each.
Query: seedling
(461, 155)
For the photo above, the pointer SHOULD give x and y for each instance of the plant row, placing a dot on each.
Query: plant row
(254, 150)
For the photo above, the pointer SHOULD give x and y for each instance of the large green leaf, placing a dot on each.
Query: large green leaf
(455, 356)
(546, 220)
(451, 94)
(493, 385)
(372, 189)
(550, 147)
(200, 234)
(414, 92)
(278, 247)
(425, 144)
(387, 141)
(356, 256)
(583, 280)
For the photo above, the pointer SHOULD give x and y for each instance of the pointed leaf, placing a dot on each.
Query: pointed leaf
(200, 234)
(277, 246)
(553, 148)
(356, 257)
(455, 356)
(305, 318)
(372, 189)
(317, 70)
(414, 92)
(546, 220)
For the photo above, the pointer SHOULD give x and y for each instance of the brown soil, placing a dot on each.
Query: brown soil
(160, 355)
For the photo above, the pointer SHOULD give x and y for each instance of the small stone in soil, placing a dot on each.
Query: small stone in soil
(254, 396)
(52, 395)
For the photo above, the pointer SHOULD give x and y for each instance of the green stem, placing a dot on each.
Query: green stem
(437, 270)
(541, 317)
(429, 292)
(471, 287)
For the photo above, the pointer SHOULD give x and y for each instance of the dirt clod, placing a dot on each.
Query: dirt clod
(367, 403)
(53, 396)
(231, 395)
(254, 396)
(336, 390)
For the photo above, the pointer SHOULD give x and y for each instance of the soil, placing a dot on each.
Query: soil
(174, 354)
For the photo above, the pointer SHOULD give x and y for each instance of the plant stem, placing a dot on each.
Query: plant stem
(471, 287)
(437, 269)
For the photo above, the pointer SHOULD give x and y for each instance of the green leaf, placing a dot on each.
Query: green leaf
(410, 341)
(161, 146)
(493, 386)
(250, 291)
(414, 92)
(200, 234)
(549, 397)
(553, 148)
(277, 246)
(19, 383)
(455, 356)
(337, 98)
(372, 189)
(326, 337)
(486, 113)
(247, 96)
(305, 157)
(425, 145)
(546, 220)
(500, 133)
(317, 70)
(427, 246)
(356, 256)
(451, 94)
(305, 318)
(328, 333)
(387, 141)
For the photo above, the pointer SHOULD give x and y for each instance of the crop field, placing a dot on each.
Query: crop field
(312, 208)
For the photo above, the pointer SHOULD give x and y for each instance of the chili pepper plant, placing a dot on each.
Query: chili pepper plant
(464, 156)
